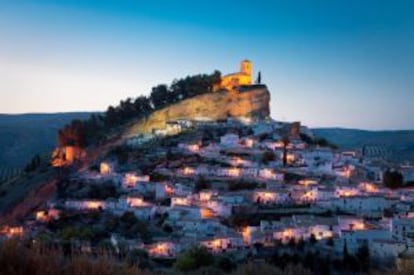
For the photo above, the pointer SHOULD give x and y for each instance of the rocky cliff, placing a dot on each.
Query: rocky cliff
(248, 101)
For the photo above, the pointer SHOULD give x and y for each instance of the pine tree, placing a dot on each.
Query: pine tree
(259, 78)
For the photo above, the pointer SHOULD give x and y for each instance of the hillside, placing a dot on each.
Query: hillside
(22, 136)
(400, 143)
(248, 102)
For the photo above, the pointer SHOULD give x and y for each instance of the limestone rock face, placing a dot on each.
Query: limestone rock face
(247, 101)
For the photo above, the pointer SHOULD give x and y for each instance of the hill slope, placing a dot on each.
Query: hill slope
(22, 136)
(252, 101)
(401, 143)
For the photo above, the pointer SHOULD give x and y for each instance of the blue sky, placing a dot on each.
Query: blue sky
(326, 63)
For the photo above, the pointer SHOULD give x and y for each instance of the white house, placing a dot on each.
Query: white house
(180, 200)
(220, 207)
(403, 230)
(230, 140)
(372, 206)
(85, 204)
(164, 249)
(192, 148)
(197, 227)
(162, 190)
(206, 195)
(222, 243)
(387, 250)
(270, 174)
(130, 180)
(354, 239)
(288, 233)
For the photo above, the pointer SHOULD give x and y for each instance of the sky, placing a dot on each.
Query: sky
(326, 63)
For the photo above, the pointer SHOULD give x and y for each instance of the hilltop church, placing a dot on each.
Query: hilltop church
(243, 77)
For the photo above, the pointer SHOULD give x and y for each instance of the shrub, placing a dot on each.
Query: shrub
(193, 259)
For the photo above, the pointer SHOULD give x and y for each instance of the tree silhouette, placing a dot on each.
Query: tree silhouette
(285, 141)
(259, 78)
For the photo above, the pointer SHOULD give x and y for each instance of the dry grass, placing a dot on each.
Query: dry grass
(17, 258)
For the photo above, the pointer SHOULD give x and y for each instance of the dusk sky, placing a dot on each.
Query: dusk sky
(327, 63)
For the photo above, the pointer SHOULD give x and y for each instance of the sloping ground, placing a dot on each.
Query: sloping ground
(252, 101)
(24, 195)
(400, 143)
(23, 136)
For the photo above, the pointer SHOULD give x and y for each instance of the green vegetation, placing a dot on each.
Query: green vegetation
(242, 185)
(102, 191)
(201, 184)
(33, 164)
(268, 156)
(393, 179)
(318, 141)
(34, 257)
(97, 227)
(7, 173)
(85, 233)
(130, 226)
(16, 189)
(193, 259)
(19, 258)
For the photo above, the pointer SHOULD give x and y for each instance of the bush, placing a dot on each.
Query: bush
(193, 259)
(201, 184)
(268, 156)
(393, 179)
(226, 264)
(241, 185)
(18, 258)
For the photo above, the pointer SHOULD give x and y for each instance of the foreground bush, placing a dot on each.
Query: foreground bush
(17, 258)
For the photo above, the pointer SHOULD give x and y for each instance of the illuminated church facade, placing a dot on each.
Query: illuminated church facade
(243, 77)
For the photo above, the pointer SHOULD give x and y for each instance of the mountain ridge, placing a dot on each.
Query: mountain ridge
(23, 126)
(24, 135)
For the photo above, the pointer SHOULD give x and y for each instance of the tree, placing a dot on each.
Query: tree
(128, 218)
(193, 259)
(167, 228)
(312, 239)
(330, 241)
(268, 156)
(160, 96)
(292, 242)
(285, 141)
(33, 164)
(142, 106)
(309, 260)
(363, 256)
(301, 244)
(201, 184)
(111, 117)
(345, 250)
(392, 179)
(72, 134)
(259, 78)
(226, 264)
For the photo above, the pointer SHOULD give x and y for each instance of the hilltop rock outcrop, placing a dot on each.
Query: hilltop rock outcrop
(247, 101)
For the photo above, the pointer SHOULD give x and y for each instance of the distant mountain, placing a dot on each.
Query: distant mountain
(23, 136)
(400, 143)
